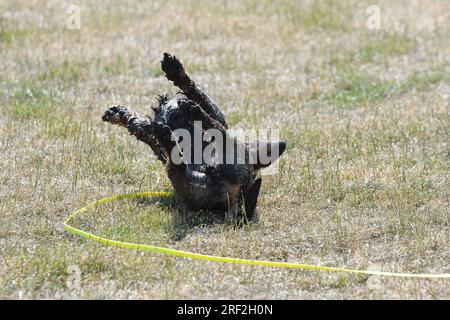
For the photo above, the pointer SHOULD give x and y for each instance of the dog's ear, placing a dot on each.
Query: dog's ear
(264, 153)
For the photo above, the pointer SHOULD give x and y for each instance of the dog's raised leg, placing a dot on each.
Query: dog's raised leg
(175, 72)
(251, 198)
(141, 128)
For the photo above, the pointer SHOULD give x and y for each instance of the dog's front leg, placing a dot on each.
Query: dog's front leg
(175, 72)
(141, 128)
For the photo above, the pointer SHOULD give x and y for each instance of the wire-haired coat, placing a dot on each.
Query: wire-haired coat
(218, 185)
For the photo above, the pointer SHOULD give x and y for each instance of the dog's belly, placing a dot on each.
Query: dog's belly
(200, 190)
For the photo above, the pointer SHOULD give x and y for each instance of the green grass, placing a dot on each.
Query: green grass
(385, 44)
(324, 16)
(30, 102)
(424, 80)
(376, 47)
(8, 36)
(364, 182)
(360, 90)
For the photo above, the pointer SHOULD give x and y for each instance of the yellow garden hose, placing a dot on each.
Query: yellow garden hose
(198, 256)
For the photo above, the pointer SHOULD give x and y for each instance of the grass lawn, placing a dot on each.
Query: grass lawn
(364, 182)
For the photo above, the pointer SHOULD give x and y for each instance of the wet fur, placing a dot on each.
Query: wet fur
(233, 188)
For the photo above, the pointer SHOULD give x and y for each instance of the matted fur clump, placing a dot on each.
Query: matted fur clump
(183, 129)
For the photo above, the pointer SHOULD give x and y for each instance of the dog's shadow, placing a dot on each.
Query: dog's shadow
(184, 220)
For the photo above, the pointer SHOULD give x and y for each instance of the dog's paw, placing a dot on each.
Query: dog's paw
(172, 67)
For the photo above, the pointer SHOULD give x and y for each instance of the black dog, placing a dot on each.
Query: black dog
(215, 184)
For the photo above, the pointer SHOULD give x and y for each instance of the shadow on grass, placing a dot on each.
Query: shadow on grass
(184, 220)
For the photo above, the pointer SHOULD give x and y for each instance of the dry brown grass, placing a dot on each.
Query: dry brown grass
(365, 113)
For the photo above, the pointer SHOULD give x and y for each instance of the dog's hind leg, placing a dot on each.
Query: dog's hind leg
(251, 198)
(175, 72)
